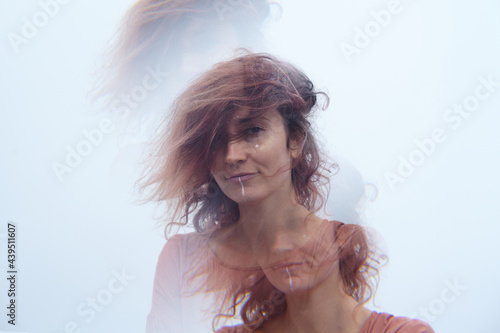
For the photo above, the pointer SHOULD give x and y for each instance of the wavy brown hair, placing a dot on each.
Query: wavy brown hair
(178, 174)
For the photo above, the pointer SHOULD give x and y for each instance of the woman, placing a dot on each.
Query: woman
(238, 160)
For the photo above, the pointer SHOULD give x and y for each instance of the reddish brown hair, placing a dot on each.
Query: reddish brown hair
(179, 168)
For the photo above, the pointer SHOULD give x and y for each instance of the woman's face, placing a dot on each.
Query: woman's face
(254, 164)
(297, 263)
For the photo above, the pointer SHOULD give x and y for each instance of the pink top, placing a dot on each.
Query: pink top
(376, 323)
(188, 270)
(187, 279)
(387, 323)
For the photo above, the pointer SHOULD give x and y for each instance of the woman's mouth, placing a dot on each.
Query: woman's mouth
(241, 177)
(288, 267)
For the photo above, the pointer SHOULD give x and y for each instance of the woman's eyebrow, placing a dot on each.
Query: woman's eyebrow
(247, 120)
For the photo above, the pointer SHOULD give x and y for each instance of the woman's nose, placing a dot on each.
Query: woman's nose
(236, 152)
(284, 243)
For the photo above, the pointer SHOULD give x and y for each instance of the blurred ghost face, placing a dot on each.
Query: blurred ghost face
(204, 44)
(295, 263)
(254, 164)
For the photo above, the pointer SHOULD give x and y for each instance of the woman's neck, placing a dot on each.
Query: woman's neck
(260, 224)
(271, 215)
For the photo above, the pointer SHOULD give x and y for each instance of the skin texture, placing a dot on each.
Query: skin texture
(279, 235)
(261, 151)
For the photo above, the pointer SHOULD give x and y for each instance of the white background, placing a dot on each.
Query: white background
(439, 223)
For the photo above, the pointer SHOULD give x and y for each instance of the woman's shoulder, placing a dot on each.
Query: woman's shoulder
(388, 323)
(178, 251)
(183, 241)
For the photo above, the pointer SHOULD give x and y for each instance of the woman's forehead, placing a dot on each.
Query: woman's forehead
(245, 115)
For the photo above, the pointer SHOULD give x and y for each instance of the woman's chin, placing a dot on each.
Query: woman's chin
(295, 285)
(248, 199)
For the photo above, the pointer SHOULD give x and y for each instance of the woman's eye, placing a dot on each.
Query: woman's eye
(254, 130)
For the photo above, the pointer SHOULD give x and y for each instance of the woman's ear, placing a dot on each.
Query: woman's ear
(296, 147)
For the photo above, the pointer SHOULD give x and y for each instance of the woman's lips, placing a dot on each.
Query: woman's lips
(291, 266)
(236, 179)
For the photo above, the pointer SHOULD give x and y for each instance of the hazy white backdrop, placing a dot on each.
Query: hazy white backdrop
(395, 84)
